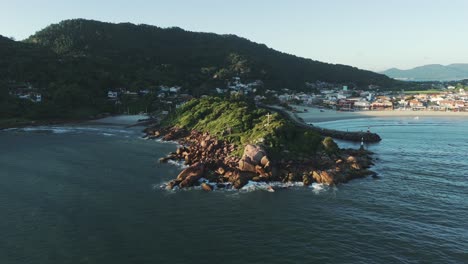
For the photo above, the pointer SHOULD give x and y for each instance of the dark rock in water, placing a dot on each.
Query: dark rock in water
(221, 185)
(256, 178)
(206, 187)
(191, 175)
(326, 177)
(172, 184)
(293, 177)
(307, 179)
(175, 133)
(241, 178)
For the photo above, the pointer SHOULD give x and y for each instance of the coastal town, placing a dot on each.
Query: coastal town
(447, 97)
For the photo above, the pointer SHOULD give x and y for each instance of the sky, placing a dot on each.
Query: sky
(368, 34)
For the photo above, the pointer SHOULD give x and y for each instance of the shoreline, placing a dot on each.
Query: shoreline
(314, 115)
(117, 120)
(211, 163)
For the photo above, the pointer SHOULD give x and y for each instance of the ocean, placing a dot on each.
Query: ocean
(91, 194)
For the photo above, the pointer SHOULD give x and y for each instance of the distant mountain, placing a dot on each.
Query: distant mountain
(432, 72)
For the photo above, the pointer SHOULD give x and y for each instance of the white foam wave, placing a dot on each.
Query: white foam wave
(104, 131)
(251, 186)
(179, 164)
(159, 140)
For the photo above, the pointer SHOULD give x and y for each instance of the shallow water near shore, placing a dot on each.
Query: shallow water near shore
(90, 194)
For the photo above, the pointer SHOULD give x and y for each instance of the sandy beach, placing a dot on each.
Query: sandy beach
(314, 115)
(124, 120)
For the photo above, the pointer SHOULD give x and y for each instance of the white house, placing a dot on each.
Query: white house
(38, 98)
(175, 89)
(112, 95)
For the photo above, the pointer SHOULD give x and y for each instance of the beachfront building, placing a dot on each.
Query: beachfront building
(362, 105)
(381, 105)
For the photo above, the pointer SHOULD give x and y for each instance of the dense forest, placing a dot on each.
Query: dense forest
(75, 63)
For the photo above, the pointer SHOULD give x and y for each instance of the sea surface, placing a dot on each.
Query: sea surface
(91, 194)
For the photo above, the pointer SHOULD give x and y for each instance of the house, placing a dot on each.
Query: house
(362, 105)
(381, 105)
(415, 103)
(38, 98)
(175, 89)
(164, 88)
(459, 104)
(144, 92)
(448, 104)
(345, 105)
(285, 97)
(129, 93)
(112, 95)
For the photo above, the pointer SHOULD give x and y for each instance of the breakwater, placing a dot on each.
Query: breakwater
(367, 137)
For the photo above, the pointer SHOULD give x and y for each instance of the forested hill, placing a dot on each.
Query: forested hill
(24, 62)
(73, 64)
(146, 55)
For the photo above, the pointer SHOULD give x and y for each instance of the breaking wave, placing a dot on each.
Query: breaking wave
(104, 131)
(251, 186)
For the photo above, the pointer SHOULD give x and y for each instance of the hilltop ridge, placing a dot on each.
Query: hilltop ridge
(431, 72)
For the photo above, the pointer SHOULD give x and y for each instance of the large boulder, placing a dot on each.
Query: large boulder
(307, 179)
(254, 154)
(245, 165)
(175, 133)
(240, 178)
(254, 160)
(189, 176)
(327, 177)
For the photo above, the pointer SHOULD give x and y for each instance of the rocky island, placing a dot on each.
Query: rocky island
(227, 143)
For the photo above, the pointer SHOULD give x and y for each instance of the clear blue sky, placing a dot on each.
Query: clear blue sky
(369, 34)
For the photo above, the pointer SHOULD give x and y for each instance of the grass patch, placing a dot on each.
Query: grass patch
(424, 92)
(241, 123)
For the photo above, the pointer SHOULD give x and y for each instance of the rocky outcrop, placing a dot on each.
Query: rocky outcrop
(255, 160)
(189, 176)
(214, 160)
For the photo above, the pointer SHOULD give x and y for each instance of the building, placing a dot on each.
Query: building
(112, 95)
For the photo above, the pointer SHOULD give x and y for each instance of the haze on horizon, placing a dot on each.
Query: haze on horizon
(375, 35)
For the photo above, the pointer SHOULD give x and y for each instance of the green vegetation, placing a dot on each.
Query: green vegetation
(432, 91)
(241, 122)
(75, 62)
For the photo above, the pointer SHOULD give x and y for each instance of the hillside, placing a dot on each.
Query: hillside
(194, 59)
(433, 72)
(75, 62)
